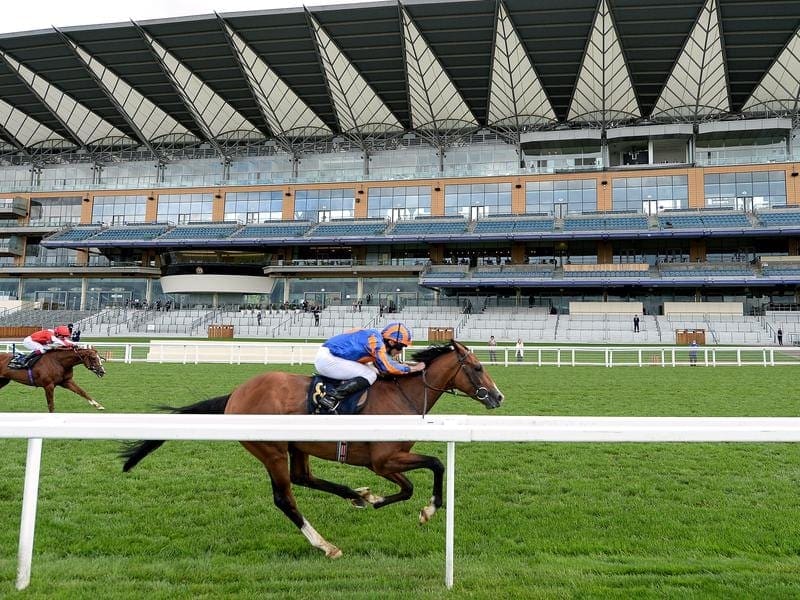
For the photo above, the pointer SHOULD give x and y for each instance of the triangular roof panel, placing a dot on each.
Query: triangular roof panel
(27, 131)
(434, 101)
(285, 113)
(779, 90)
(358, 108)
(516, 97)
(603, 92)
(697, 88)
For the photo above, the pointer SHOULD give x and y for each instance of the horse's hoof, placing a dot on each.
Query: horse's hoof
(359, 502)
(368, 496)
(333, 552)
(426, 513)
(100, 407)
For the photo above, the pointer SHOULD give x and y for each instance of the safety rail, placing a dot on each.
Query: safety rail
(299, 353)
(449, 429)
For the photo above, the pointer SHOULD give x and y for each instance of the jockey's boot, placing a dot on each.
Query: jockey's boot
(332, 399)
(26, 360)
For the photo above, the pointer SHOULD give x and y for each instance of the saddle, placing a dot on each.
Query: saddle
(19, 362)
(320, 386)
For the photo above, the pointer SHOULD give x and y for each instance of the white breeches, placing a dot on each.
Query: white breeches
(31, 345)
(340, 368)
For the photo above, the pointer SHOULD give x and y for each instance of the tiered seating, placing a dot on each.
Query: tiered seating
(607, 270)
(605, 221)
(780, 218)
(429, 227)
(446, 272)
(703, 220)
(786, 269)
(200, 232)
(514, 272)
(514, 225)
(130, 232)
(346, 228)
(706, 270)
(76, 234)
(277, 229)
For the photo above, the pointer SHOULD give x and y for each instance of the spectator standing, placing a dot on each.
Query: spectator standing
(492, 350)
(258, 317)
(780, 336)
(519, 350)
(636, 324)
(316, 316)
(693, 353)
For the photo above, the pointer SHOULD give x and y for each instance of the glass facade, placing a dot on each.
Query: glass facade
(561, 197)
(55, 210)
(182, 208)
(746, 190)
(397, 203)
(323, 205)
(254, 207)
(477, 200)
(650, 195)
(36, 255)
(118, 210)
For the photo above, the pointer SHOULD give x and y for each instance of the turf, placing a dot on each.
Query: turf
(196, 520)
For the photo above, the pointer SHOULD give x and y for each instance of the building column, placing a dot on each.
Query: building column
(84, 289)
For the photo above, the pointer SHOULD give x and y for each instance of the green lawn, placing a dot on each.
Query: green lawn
(196, 520)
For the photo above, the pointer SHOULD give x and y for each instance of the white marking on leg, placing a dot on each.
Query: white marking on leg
(316, 540)
(368, 496)
(427, 512)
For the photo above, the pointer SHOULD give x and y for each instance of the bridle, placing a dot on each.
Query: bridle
(480, 393)
(85, 359)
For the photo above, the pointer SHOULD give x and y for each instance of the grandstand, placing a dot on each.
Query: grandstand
(519, 184)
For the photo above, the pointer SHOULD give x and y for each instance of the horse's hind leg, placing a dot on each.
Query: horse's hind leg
(75, 388)
(274, 457)
(301, 475)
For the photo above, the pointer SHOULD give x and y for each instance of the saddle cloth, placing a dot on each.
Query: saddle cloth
(17, 361)
(320, 386)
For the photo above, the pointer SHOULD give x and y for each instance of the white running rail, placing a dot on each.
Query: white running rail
(450, 429)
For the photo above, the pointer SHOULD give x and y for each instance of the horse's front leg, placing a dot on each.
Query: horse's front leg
(393, 467)
(48, 394)
(75, 388)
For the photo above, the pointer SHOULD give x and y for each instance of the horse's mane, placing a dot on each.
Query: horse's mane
(431, 353)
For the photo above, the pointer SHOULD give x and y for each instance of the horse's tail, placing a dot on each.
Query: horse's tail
(134, 452)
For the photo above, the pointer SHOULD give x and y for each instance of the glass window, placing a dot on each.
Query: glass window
(118, 210)
(479, 199)
(182, 208)
(55, 211)
(650, 195)
(399, 202)
(325, 204)
(580, 195)
(745, 190)
(254, 207)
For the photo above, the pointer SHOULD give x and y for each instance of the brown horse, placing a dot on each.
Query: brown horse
(449, 367)
(52, 369)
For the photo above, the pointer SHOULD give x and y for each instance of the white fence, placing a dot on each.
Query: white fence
(450, 429)
(195, 352)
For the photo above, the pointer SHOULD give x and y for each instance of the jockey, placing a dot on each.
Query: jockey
(358, 356)
(46, 339)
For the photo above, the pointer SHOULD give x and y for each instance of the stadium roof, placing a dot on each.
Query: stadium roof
(381, 68)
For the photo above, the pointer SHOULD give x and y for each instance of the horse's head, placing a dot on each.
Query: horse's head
(91, 360)
(463, 371)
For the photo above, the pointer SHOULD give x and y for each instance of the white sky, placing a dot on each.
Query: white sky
(43, 14)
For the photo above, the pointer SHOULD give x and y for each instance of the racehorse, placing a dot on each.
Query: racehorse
(448, 367)
(52, 369)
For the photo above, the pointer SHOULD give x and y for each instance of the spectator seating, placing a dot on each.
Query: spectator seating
(434, 226)
(200, 232)
(75, 234)
(779, 218)
(274, 229)
(514, 272)
(605, 221)
(130, 232)
(349, 227)
(513, 224)
(703, 220)
(706, 270)
(607, 270)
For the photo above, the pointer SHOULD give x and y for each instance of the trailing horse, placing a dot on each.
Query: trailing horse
(449, 367)
(54, 368)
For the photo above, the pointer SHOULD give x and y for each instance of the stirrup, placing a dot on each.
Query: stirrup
(328, 403)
